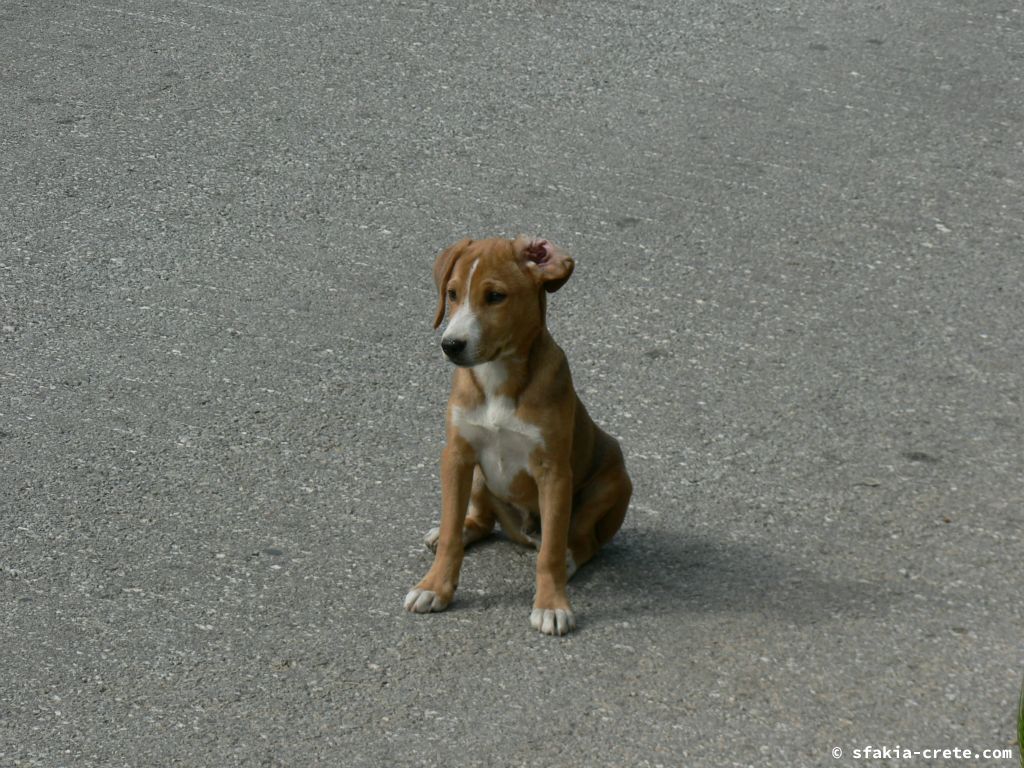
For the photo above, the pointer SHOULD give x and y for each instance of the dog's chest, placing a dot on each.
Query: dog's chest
(503, 442)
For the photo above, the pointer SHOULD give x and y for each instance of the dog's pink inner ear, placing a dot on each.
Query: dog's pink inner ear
(539, 252)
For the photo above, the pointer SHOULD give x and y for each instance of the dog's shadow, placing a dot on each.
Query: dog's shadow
(650, 571)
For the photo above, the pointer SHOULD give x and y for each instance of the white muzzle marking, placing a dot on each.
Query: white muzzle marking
(465, 325)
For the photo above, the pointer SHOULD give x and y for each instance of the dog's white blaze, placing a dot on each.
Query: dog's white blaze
(503, 442)
(464, 323)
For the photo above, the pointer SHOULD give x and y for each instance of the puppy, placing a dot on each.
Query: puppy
(521, 449)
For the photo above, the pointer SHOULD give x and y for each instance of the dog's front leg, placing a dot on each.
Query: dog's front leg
(551, 612)
(435, 591)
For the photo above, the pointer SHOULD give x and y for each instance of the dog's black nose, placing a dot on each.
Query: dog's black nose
(453, 347)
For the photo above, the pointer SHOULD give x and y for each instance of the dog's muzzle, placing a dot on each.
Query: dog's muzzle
(454, 348)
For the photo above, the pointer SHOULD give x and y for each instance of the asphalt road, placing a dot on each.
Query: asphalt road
(799, 304)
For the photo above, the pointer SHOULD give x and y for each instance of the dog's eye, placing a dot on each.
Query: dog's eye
(494, 297)
(451, 294)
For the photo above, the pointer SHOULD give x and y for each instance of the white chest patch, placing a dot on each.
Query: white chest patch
(503, 442)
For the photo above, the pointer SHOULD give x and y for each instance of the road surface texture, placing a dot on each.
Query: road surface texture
(799, 305)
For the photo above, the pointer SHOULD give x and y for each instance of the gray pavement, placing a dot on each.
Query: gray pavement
(799, 305)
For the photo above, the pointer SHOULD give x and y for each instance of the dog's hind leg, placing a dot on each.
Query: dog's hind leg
(598, 511)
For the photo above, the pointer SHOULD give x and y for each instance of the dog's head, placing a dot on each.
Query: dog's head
(496, 292)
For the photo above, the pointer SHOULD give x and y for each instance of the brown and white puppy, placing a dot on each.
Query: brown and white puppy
(521, 448)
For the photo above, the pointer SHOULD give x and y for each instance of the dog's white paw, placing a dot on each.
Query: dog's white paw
(424, 601)
(553, 622)
(431, 539)
(570, 565)
(468, 537)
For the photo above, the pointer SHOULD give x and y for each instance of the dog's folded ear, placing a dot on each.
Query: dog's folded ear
(549, 265)
(443, 266)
